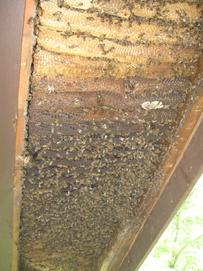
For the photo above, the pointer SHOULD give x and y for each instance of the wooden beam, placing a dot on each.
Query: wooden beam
(11, 25)
(28, 42)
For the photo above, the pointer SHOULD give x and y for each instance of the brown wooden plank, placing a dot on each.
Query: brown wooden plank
(25, 70)
(11, 22)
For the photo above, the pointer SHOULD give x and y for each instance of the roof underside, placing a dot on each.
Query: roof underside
(111, 85)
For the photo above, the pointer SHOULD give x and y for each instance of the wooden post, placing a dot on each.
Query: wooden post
(11, 25)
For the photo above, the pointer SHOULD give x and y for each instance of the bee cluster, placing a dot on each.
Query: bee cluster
(100, 126)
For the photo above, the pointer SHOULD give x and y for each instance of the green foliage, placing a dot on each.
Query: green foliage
(181, 246)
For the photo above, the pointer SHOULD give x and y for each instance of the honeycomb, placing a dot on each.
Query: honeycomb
(111, 84)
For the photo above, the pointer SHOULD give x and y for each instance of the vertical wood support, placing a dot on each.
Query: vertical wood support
(25, 71)
(11, 25)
